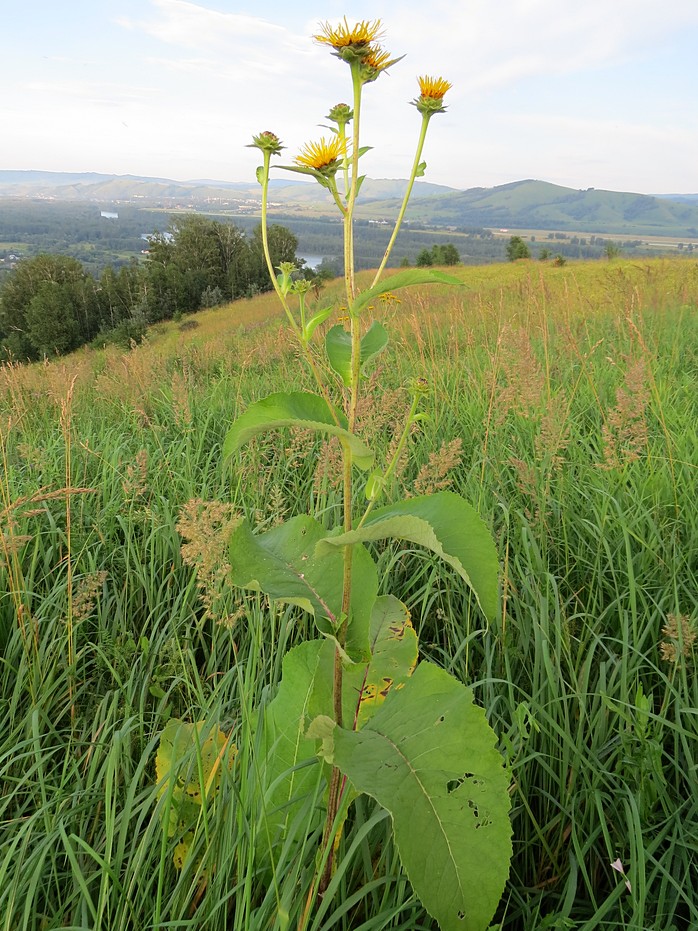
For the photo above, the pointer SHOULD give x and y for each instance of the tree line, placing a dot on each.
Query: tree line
(50, 304)
(31, 228)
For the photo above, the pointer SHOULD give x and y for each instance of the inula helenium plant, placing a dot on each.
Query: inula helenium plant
(356, 711)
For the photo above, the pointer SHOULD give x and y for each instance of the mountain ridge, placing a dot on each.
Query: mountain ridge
(525, 204)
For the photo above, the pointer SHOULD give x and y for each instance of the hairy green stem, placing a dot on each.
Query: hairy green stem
(298, 333)
(350, 284)
(350, 287)
(408, 192)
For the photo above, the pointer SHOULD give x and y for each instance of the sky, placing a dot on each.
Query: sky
(581, 93)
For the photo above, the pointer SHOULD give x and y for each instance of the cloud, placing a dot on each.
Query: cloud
(190, 25)
(248, 51)
(613, 154)
(537, 37)
(537, 87)
(556, 126)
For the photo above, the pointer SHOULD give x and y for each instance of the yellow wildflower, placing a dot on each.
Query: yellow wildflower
(345, 36)
(375, 61)
(435, 88)
(323, 155)
(431, 95)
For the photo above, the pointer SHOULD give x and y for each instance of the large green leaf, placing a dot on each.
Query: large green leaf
(445, 524)
(338, 345)
(402, 279)
(286, 748)
(429, 757)
(305, 694)
(295, 409)
(284, 563)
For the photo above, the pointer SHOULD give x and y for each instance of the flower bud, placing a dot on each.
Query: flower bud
(266, 142)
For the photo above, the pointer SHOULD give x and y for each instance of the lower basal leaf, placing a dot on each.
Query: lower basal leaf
(286, 748)
(429, 757)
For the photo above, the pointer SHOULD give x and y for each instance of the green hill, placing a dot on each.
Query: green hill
(540, 205)
(528, 204)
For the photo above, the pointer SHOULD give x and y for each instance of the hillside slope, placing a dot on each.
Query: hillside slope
(540, 205)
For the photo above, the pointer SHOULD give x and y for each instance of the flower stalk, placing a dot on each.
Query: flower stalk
(268, 148)
(417, 171)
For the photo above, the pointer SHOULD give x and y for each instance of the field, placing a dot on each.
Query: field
(564, 406)
(656, 245)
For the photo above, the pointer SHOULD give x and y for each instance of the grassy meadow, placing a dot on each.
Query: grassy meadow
(564, 406)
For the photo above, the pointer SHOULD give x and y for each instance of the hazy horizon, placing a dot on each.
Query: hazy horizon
(281, 180)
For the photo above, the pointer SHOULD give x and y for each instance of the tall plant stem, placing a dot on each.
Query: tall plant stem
(350, 287)
(298, 333)
(264, 181)
(349, 281)
(408, 192)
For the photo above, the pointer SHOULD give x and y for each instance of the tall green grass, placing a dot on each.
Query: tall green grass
(574, 391)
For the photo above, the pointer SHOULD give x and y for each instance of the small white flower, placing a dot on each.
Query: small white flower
(618, 867)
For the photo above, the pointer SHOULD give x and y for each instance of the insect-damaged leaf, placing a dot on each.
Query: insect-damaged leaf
(394, 649)
(429, 757)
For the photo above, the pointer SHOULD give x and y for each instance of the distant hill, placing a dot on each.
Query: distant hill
(682, 198)
(91, 186)
(529, 204)
(541, 205)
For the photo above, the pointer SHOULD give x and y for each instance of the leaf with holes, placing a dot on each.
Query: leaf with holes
(429, 757)
(394, 649)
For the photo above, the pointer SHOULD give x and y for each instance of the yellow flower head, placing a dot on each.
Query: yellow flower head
(322, 156)
(434, 88)
(431, 95)
(345, 36)
(374, 62)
